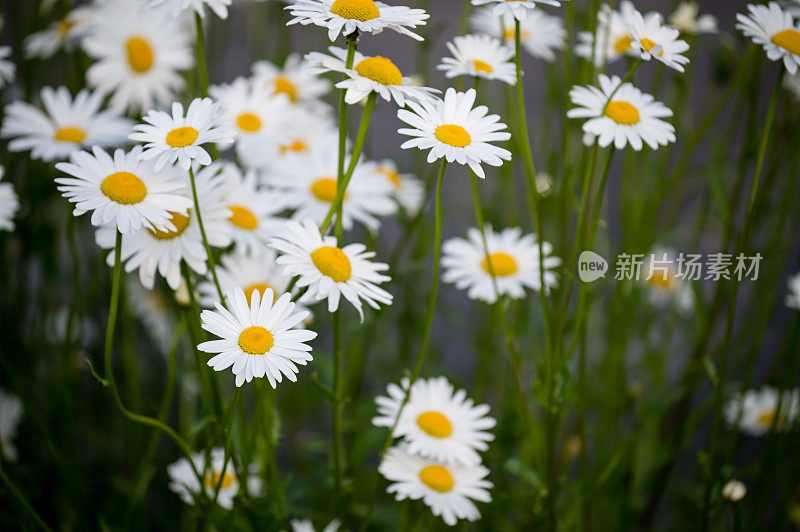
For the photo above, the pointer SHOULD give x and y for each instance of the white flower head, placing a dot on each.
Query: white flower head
(179, 7)
(665, 286)
(653, 39)
(9, 204)
(775, 30)
(305, 525)
(793, 297)
(184, 482)
(7, 68)
(519, 9)
(734, 490)
(407, 189)
(540, 34)
(10, 415)
(62, 34)
(757, 410)
(611, 39)
(687, 19)
(294, 80)
(479, 56)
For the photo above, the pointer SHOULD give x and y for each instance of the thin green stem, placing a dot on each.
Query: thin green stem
(209, 252)
(202, 67)
(15, 491)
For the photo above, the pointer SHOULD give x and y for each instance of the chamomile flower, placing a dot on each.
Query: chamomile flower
(447, 489)
(179, 7)
(184, 482)
(632, 117)
(122, 191)
(479, 56)
(775, 30)
(611, 40)
(10, 415)
(513, 257)
(180, 138)
(305, 525)
(330, 271)
(734, 490)
(64, 125)
(293, 80)
(407, 189)
(665, 286)
(540, 34)
(649, 34)
(365, 16)
(258, 337)
(9, 204)
(453, 129)
(687, 20)
(793, 297)
(154, 310)
(63, 34)
(139, 54)
(757, 410)
(7, 68)
(519, 9)
(437, 422)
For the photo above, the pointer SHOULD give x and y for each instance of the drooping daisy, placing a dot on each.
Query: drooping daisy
(179, 7)
(664, 283)
(305, 525)
(757, 410)
(330, 271)
(775, 30)
(178, 138)
(365, 16)
(453, 129)
(447, 489)
(519, 9)
(7, 68)
(10, 415)
(292, 80)
(612, 41)
(687, 20)
(63, 34)
(407, 188)
(139, 52)
(123, 191)
(540, 34)
(632, 117)
(258, 337)
(649, 34)
(479, 56)
(793, 297)
(184, 482)
(9, 204)
(437, 422)
(64, 126)
(513, 257)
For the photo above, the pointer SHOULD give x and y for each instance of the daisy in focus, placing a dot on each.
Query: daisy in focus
(686, 19)
(9, 204)
(10, 415)
(513, 258)
(7, 68)
(632, 117)
(178, 138)
(519, 9)
(179, 7)
(329, 271)
(775, 30)
(344, 17)
(447, 489)
(184, 482)
(258, 338)
(407, 188)
(293, 80)
(613, 40)
(540, 34)
(453, 129)
(64, 125)
(61, 35)
(793, 297)
(756, 411)
(649, 34)
(479, 56)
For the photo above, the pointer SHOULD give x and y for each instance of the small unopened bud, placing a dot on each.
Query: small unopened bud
(734, 490)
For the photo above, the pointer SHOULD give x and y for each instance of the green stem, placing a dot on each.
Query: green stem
(15, 491)
(211, 263)
(202, 67)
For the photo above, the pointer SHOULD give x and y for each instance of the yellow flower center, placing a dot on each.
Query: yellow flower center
(381, 70)
(502, 264)
(256, 340)
(296, 146)
(767, 418)
(284, 86)
(248, 122)
(140, 54)
(392, 175)
(243, 217)
(332, 261)
(324, 189)
(70, 134)
(212, 479)
(362, 10)
(509, 32)
(124, 187)
(482, 66)
(661, 280)
(453, 135)
(180, 221)
(648, 45)
(261, 288)
(435, 424)
(623, 44)
(437, 478)
(622, 113)
(788, 40)
(63, 28)
(182, 136)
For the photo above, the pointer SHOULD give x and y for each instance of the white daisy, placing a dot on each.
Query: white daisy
(179, 7)
(479, 56)
(519, 9)
(7, 68)
(513, 257)
(184, 482)
(613, 40)
(540, 34)
(649, 34)
(329, 271)
(453, 129)
(258, 337)
(305, 525)
(292, 80)
(154, 310)
(9, 204)
(365, 16)
(756, 411)
(178, 138)
(775, 30)
(632, 117)
(65, 125)
(139, 53)
(685, 18)
(407, 189)
(734, 490)
(123, 191)
(10, 415)
(437, 422)
(793, 297)
(447, 489)
(664, 283)
(63, 34)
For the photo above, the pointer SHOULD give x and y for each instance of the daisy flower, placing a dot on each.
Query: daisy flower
(479, 56)
(519, 9)
(178, 138)
(632, 117)
(793, 297)
(407, 189)
(184, 482)
(734, 490)
(139, 52)
(329, 271)
(685, 18)
(258, 337)
(453, 129)
(154, 310)
(649, 34)
(10, 415)
(775, 30)
(613, 40)
(665, 284)
(757, 410)
(437, 422)
(293, 80)
(64, 126)
(9, 204)
(365, 16)
(447, 489)
(305, 525)
(540, 34)
(7, 68)
(513, 257)
(122, 191)
(63, 34)
(178, 7)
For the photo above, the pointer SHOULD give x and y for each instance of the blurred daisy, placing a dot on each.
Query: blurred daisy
(7, 68)
(292, 80)
(513, 257)
(540, 34)
(365, 16)
(757, 411)
(305, 525)
(139, 52)
(685, 18)
(793, 297)
(178, 138)
(632, 117)
(64, 126)
(519, 9)
(453, 129)
(122, 191)
(407, 189)
(613, 38)
(734, 490)
(9, 204)
(437, 422)
(479, 56)
(329, 271)
(154, 310)
(775, 30)
(258, 337)
(184, 482)
(447, 489)
(178, 7)
(10, 415)
(648, 33)
(665, 284)
(63, 34)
